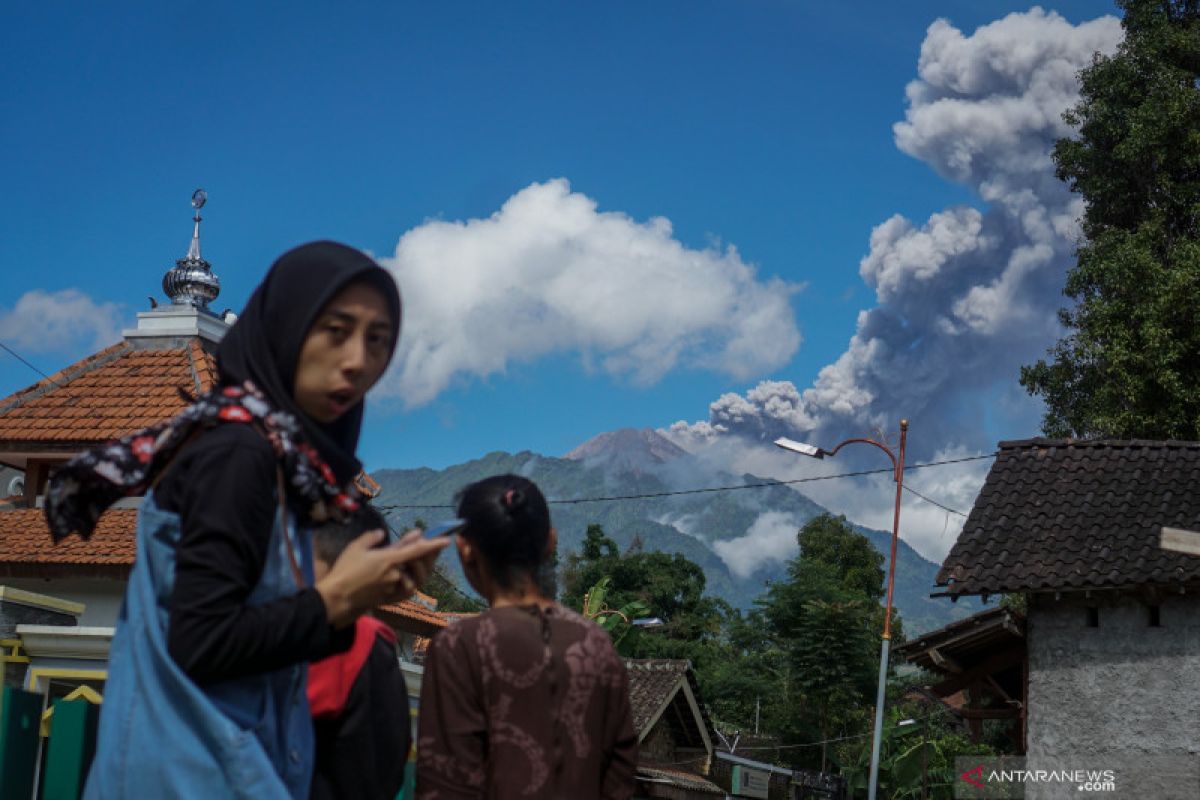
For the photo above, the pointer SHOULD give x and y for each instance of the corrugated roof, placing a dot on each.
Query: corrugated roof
(1059, 514)
(107, 395)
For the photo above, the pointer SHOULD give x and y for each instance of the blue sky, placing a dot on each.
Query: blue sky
(762, 125)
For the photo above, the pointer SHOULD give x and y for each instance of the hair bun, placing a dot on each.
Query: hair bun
(514, 499)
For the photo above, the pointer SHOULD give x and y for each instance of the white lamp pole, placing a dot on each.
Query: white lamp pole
(898, 475)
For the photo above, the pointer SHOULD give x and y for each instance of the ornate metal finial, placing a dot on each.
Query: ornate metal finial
(191, 281)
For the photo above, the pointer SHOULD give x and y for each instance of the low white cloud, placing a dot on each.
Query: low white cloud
(772, 537)
(868, 500)
(549, 274)
(43, 322)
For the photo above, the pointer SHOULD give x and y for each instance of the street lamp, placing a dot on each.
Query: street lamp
(898, 475)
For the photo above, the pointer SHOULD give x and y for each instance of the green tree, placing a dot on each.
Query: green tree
(1129, 364)
(826, 620)
(917, 759)
(747, 682)
(670, 586)
(666, 585)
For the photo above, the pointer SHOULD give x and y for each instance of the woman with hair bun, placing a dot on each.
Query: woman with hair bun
(528, 699)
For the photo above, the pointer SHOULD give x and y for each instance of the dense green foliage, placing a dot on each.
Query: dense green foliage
(826, 621)
(667, 584)
(1129, 365)
(803, 663)
(916, 760)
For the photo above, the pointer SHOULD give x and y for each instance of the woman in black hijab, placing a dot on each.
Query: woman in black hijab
(206, 695)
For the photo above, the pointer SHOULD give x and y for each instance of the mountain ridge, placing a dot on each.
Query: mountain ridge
(628, 463)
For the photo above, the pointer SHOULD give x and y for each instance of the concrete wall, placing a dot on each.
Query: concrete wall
(1121, 695)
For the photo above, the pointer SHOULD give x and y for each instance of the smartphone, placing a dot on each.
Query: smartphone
(445, 528)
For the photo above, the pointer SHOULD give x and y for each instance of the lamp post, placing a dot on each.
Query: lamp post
(898, 475)
(639, 622)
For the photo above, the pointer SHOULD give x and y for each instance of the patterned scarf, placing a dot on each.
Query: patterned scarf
(84, 488)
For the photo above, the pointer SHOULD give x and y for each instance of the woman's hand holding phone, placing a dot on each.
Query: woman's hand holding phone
(366, 575)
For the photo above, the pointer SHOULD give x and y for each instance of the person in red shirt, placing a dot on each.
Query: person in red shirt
(358, 698)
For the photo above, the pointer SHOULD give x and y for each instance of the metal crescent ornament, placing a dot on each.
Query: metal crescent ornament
(199, 198)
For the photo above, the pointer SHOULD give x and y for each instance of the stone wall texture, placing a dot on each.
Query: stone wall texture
(1122, 695)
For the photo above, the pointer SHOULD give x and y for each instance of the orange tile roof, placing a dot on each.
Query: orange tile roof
(107, 395)
(427, 600)
(25, 540)
(412, 617)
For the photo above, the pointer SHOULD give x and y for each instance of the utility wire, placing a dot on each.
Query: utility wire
(765, 484)
(908, 488)
(936, 713)
(21, 358)
(741, 749)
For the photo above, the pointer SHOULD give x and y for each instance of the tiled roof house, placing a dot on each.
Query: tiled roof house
(1112, 626)
(675, 745)
(130, 385)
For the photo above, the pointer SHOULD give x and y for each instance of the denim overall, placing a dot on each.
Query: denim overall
(161, 735)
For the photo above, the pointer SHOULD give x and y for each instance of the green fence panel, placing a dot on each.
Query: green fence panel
(20, 715)
(72, 745)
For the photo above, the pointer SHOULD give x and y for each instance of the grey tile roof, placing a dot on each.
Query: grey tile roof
(1060, 514)
(652, 681)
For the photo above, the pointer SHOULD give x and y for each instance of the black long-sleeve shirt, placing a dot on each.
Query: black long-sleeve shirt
(362, 751)
(223, 486)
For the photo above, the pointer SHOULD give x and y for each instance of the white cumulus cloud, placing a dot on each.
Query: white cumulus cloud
(43, 321)
(549, 273)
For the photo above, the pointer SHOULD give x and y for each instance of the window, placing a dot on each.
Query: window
(1155, 618)
(1093, 617)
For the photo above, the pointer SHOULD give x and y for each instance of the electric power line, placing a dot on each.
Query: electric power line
(22, 359)
(815, 744)
(934, 502)
(765, 484)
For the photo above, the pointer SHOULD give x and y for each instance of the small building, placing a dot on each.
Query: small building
(675, 748)
(741, 776)
(982, 664)
(1112, 626)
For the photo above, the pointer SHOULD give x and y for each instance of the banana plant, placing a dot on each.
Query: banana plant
(617, 622)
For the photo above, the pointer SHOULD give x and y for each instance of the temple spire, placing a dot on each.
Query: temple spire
(191, 281)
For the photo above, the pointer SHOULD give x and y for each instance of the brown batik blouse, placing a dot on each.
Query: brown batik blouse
(518, 702)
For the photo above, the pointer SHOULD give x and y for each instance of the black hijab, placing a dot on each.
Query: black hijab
(264, 345)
